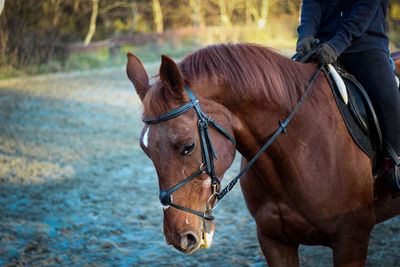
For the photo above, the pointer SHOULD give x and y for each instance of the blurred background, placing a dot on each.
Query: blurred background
(53, 35)
(75, 187)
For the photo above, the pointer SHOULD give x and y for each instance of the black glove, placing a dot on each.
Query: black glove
(304, 45)
(327, 54)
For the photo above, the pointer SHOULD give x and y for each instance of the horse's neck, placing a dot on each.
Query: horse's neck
(251, 122)
(259, 120)
(254, 124)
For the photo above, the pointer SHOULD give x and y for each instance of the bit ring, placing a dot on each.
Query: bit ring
(215, 203)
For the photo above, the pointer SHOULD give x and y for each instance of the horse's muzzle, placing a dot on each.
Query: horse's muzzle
(190, 241)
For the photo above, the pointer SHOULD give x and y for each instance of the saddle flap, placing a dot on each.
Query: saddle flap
(357, 106)
(362, 107)
(358, 114)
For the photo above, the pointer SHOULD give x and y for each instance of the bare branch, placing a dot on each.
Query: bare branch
(115, 5)
(92, 27)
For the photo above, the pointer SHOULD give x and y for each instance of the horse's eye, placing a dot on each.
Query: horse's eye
(188, 148)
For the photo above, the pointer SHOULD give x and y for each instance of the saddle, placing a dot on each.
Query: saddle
(359, 115)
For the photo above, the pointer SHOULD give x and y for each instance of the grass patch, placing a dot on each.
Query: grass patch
(149, 52)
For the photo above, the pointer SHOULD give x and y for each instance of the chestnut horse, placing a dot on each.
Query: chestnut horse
(313, 185)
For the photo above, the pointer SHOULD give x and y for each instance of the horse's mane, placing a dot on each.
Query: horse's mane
(251, 71)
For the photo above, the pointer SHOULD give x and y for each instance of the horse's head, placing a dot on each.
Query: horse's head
(181, 148)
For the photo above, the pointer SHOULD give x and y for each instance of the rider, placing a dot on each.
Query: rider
(354, 32)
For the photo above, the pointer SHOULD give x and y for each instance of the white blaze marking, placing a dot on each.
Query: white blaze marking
(145, 139)
(187, 221)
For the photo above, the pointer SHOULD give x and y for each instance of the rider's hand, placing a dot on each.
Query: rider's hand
(327, 54)
(304, 45)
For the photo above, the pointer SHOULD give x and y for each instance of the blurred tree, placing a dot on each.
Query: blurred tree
(76, 5)
(93, 18)
(134, 15)
(223, 9)
(294, 6)
(394, 22)
(259, 13)
(158, 17)
(1, 6)
(34, 32)
(197, 17)
(226, 8)
(395, 9)
(31, 31)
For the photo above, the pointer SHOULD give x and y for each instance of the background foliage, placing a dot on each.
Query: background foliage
(38, 33)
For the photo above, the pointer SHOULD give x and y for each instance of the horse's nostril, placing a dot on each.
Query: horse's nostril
(188, 241)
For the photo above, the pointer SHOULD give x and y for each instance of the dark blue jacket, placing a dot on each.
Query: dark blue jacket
(348, 25)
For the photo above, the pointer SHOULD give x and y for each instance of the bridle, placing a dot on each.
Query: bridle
(208, 152)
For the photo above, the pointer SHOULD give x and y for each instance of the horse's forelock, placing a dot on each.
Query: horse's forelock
(155, 102)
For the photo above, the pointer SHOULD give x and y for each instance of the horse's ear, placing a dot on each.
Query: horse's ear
(138, 75)
(171, 77)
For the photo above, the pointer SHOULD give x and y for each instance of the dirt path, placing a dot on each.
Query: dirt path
(76, 190)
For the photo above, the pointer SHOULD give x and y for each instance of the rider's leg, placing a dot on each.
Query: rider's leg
(374, 71)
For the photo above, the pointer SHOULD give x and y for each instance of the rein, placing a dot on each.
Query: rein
(208, 152)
